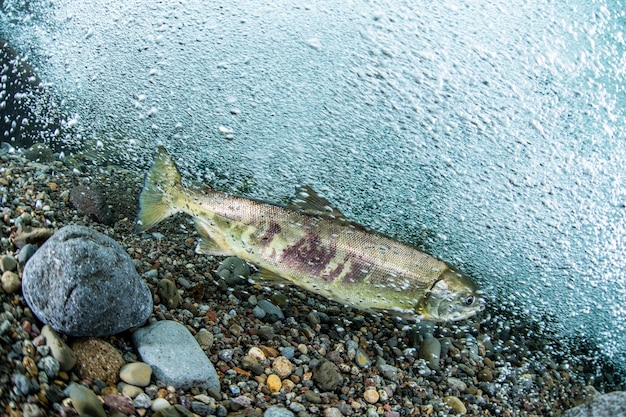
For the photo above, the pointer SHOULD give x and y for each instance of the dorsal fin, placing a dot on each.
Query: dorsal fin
(308, 201)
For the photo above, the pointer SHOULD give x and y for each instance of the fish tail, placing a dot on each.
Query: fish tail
(161, 188)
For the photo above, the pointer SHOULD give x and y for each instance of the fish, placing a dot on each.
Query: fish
(312, 245)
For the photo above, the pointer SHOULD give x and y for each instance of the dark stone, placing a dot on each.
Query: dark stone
(91, 201)
(327, 376)
(234, 271)
(274, 313)
(83, 283)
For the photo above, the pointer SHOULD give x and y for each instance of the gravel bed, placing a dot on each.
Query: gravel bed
(278, 351)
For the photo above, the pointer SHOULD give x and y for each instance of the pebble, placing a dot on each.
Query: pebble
(168, 293)
(276, 411)
(85, 401)
(332, 412)
(274, 313)
(8, 263)
(59, 349)
(175, 356)
(274, 383)
(327, 376)
(26, 253)
(430, 351)
(455, 404)
(389, 372)
(10, 282)
(97, 359)
(234, 271)
(371, 396)
(136, 373)
(74, 293)
(159, 404)
(485, 375)
(297, 407)
(288, 352)
(282, 367)
(91, 201)
(31, 410)
(257, 353)
(457, 384)
(362, 359)
(119, 403)
(50, 366)
(205, 339)
(143, 401)
(130, 391)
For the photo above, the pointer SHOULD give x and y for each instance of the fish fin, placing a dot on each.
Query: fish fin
(308, 201)
(161, 185)
(207, 245)
(266, 276)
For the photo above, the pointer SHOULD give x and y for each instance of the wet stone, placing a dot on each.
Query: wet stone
(26, 253)
(455, 404)
(276, 411)
(10, 282)
(175, 356)
(136, 373)
(97, 359)
(430, 351)
(168, 293)
(8, 263)
(85, 401)
(59, 349)
(327, 376)
(274, 313)
(75, 293)
(234, 271)
(612, 404)
(119, 403)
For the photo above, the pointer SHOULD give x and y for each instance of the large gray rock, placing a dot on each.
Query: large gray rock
(175, 356)
(612, 404)
(82, 283)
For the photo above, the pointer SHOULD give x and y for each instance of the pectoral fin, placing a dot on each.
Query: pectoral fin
(267, 277)
(208, 245)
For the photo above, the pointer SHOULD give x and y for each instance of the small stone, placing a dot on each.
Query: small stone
(85, 401)
(371, 396)
(430, 350)
(455, 404)
(10, 282)
(312, 397)
(97, 359)
(276, 411)
(120, 403)
(31, 410)
(130, 391)
(485, 375)
(333, 412)
(327, 376)
(282, 367)
(26, 253)
(91, 201)
(59, 349)
(288, 352)
(143, 401)
(159, 404)
(202, 409)
(259, 313)
(168, 293)
(390, 372)
(362, 359)
(205, 339)
(457, 384)
(175, 356)
(136, 373)
(50, 366)
(234, 271)
(8, 263)
(274, 313)
(226, 355)
(266, 332)
(257, 353)
(274, 383)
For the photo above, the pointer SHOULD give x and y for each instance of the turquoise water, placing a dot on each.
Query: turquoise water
(490, 133)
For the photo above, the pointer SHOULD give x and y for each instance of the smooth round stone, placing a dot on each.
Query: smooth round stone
(234, 270)
(8, 263)
(50, 366)
(205, 339)
(276, 411)
(274, 383)
(430, 350)
(59, 349)
(159, 404)
(327, 376)
(128, 390)
(274, 313)
(85, 401)
(143, 401)
(10, 282)
(83, 283)
(97, 359)
(136, 373)
(333, 412)
(455, 404)
(282, 367)
(362, 359)
(257, 353)
(371, 396)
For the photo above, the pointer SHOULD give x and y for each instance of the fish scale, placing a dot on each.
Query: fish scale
(313, 246)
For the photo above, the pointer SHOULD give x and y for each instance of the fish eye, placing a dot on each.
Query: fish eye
(469, 300)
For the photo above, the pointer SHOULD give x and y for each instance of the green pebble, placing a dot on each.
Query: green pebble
(361, 359)
(85, 401)
(168, 293)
